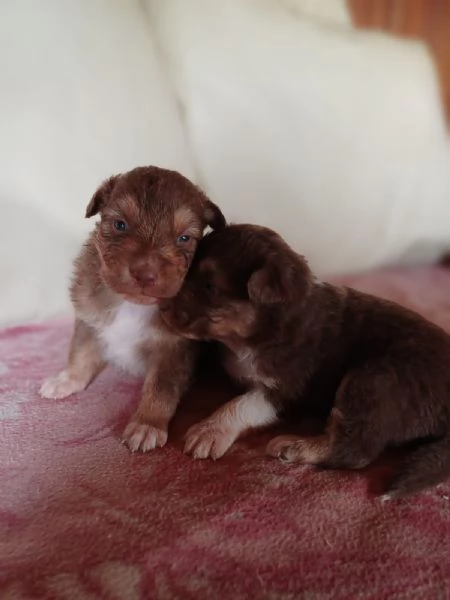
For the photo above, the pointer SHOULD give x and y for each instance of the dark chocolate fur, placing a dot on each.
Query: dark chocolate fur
(383, 369)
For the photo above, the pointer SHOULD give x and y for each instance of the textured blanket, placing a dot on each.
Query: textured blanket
(81, 517)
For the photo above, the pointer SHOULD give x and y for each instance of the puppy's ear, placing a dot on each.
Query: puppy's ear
(213, 215)
(280, 280)
(101, 196)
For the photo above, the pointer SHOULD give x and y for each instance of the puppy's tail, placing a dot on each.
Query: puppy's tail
(426, 466)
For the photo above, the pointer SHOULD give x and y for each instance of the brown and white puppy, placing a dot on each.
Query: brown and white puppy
(139, 253)
(379, 373)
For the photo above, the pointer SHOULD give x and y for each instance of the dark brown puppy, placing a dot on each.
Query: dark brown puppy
(139, 252)
(380, 373)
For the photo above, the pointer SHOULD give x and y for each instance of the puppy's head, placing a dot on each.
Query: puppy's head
(238, 276)
(151, 222)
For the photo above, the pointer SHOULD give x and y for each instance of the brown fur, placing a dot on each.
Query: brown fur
(137, 255)
(378, 372)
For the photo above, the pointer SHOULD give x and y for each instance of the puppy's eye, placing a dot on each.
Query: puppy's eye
(183, 239)
(120, 225)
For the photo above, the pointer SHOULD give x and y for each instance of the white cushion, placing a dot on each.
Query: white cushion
(332, 136)
(290, 118)
(83, 96)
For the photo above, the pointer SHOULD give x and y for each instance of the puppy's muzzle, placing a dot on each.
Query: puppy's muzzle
(144, 276)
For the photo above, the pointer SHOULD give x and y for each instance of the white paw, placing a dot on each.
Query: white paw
(206, 440)
(143, 436)
(60, 386)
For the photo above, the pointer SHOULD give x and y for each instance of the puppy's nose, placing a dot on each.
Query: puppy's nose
(143, 276)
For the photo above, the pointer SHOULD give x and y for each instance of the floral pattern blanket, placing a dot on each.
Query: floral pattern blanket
(82, 518)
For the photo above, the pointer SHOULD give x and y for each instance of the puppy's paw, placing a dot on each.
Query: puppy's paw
(279, 444)
(142, 436)
(206, 440)
(60, 386)
(289, 448)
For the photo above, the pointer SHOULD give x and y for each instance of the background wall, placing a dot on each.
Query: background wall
(428, 20)
(280, 109)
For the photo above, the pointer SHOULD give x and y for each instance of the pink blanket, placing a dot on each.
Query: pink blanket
(81, 517)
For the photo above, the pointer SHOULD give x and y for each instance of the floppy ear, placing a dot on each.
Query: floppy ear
(279, 280)
(101, 196)
(213, 215)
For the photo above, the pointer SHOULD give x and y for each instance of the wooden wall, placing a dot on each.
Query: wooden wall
(428, 20)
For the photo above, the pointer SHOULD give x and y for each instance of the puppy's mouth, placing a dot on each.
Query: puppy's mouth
(141, 292)
(142, 299)
(146, 295)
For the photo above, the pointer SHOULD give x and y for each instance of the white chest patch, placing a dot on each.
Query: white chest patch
(243, 366)
(124, 337)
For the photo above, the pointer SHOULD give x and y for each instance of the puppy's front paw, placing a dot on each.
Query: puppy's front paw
(60, 386)
(206, 440)
(143, 436)
(290, 448)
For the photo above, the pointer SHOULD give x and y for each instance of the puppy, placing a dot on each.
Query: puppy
(379, 373)
(151, 222)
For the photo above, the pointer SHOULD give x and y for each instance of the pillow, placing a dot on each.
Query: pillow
(334, 137)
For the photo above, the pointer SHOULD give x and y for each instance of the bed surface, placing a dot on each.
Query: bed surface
(80, 517)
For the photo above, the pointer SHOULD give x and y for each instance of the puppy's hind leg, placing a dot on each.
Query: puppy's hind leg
(353, 437)
(311, 450)
(84, 364)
